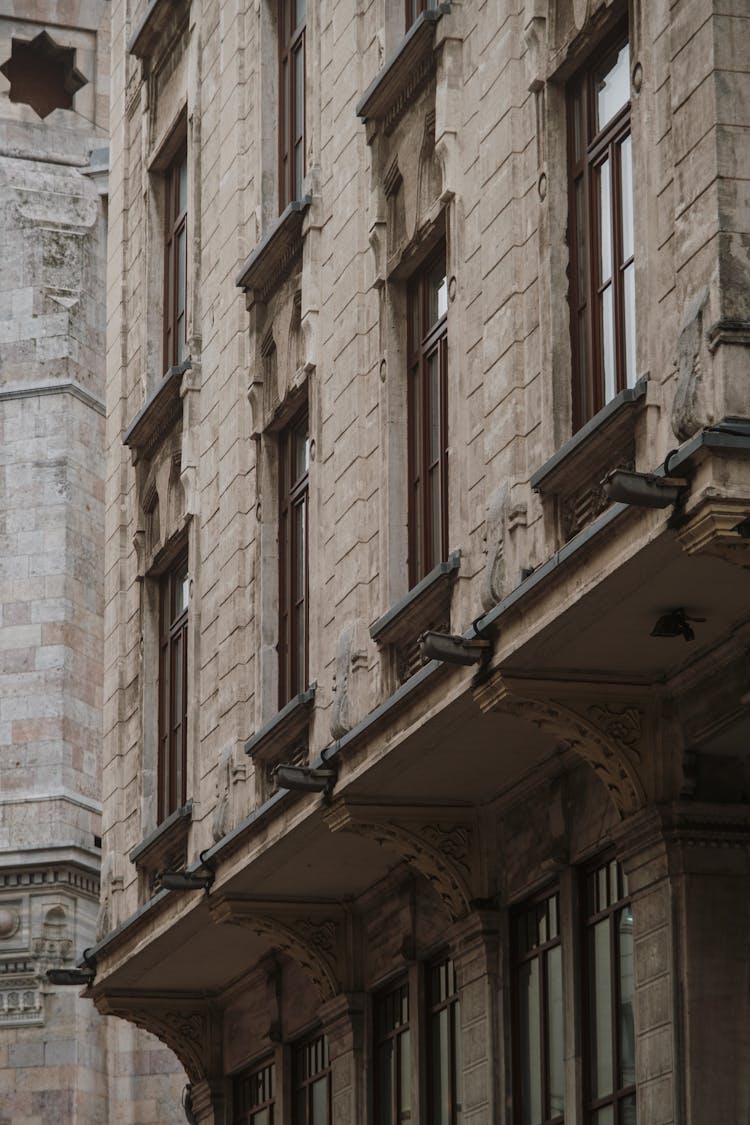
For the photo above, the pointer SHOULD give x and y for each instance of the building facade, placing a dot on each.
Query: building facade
(427, 510)
(60, 1061)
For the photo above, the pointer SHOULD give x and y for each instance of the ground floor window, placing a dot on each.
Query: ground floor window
(255, 1095)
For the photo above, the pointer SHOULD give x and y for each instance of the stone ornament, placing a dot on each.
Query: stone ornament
(9, 922)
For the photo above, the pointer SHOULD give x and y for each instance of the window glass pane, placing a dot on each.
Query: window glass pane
(438, 292)
(626, 197)
(440, 1067)
(608, 357)
(319, 1102)
(556, 1077)
(627, 1111)
(629, 302)
(625, 1018)
(433, 450)
(605, 223)
(601, 1011)
(604, 1116)
(177, 708)
(458, 1073)
(404, 1043)
(299, 11)
(577, 124)
(580, 243)
(182, 190)
(612, 85)
(385, 1082)
(301, 452)
(530, 1043)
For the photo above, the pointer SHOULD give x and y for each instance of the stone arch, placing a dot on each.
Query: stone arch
(606, 737)
(188, 1031)
(312, 940)
(436, 846)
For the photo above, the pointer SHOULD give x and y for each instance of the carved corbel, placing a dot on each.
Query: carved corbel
(309, 933)
(189, 1027)
(439, 843)
(605, 735)
(713, 530)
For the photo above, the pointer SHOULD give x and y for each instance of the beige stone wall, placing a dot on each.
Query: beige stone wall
(494, 180)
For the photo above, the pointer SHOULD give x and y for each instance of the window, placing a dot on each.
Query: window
(427, 347)
(294, 464)
(254, 1095)
(392, 1056)
(312, 1083)
(444, 1068)
(602, 271)
(415, 7)
(175, 262)
(538, 994)
(173, 627)
(292, 17)
(610, 1032)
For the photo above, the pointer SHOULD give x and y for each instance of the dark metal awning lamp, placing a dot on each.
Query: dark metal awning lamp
(189, 880)
(453, 649)
(675, 623)
(77, 977)
(306, 779)
(643, 490)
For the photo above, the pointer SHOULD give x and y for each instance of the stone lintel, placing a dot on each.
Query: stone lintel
(271, 260)
(158, 414)
(284, 730)
(394, 87)
(156, 21)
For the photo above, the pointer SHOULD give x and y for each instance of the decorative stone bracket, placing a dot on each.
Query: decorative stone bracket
(189, 1026)
(713, 530)
(438, 842)
(312, 934)
(607, 735)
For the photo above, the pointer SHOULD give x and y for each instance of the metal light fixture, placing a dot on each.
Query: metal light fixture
(189, 880)
(643, 490)
(306, 779)
(78, 977)
(453, 649)
(675, 623)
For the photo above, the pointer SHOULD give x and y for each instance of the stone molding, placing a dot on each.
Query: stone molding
(438, 842)
(157, 416)
(397, 84)
(712, 530)
(312, 934)
(271, 260)
(606, 735)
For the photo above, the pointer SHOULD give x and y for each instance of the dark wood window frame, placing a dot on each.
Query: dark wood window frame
(292, 23)
(393, 1096)
(311, 1066)
(173, 687)
(443, 1007)
(543, 913)
(427, 340)
(606, 898)
(175, 260)
(254, 1093)
(294, 601)
(589, 152)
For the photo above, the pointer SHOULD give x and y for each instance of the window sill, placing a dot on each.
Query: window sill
(158, 415)
(285, 730)
(394, 87)
(414, 611)
(573, 475)
(270, 262)
(166, 847)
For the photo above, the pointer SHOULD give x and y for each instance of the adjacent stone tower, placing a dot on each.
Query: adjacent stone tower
(59, 1061)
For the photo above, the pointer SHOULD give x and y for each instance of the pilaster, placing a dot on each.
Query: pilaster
(474, 943)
